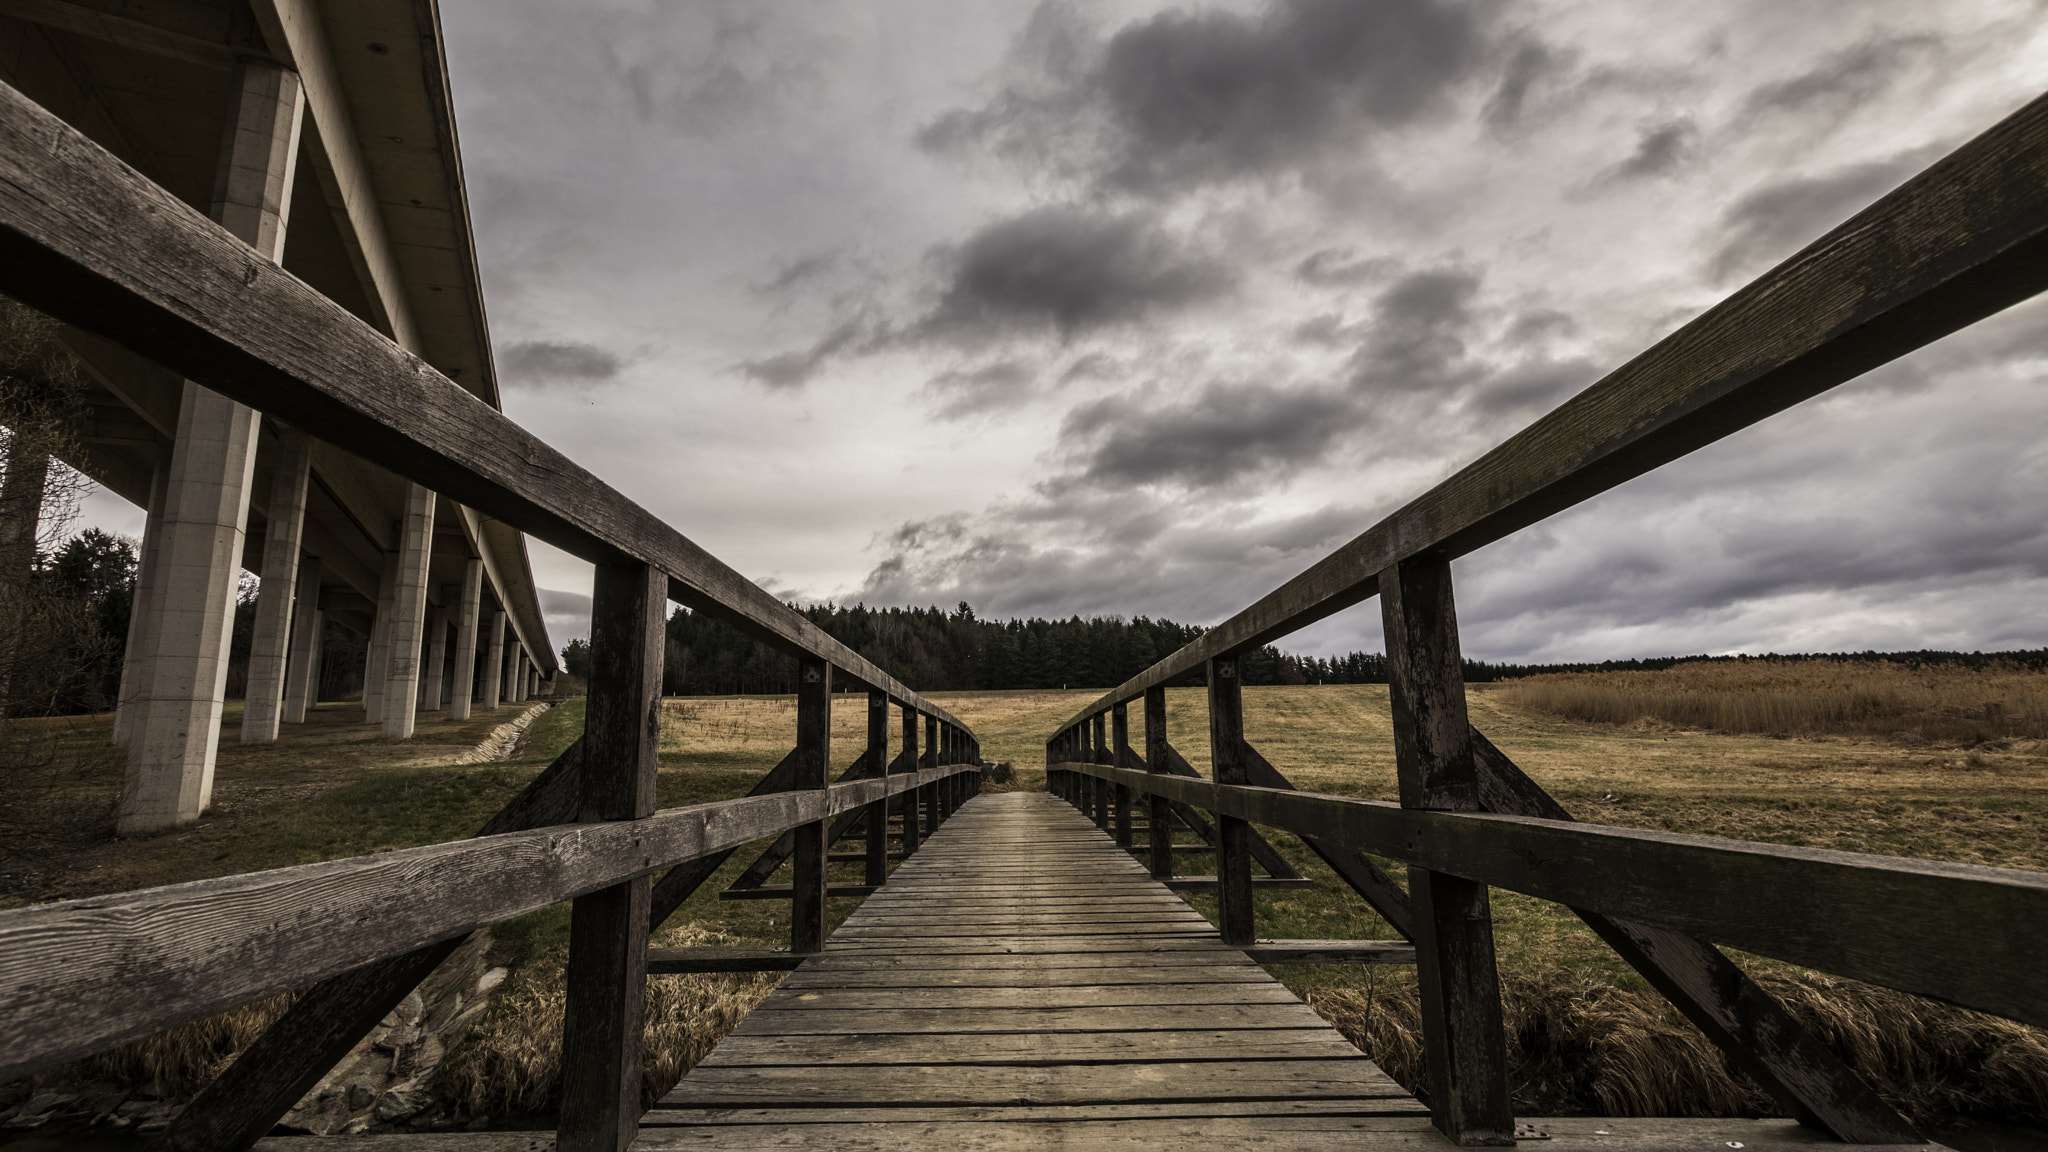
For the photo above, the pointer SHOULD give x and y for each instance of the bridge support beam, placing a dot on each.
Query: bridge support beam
(198, 559)
(906, 804)
(309, 633)
(607, 979)
(494, 661)
(1233, 836)
(462, 692)
(270, 642)
(1462, 1035)
(813, 770)
(408, 613)
(437, 656)
(1158, 815)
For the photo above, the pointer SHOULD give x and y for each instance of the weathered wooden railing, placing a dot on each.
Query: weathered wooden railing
(1958, 242)
(89, 240)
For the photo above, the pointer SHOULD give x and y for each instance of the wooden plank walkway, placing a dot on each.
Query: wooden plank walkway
(1020, 970)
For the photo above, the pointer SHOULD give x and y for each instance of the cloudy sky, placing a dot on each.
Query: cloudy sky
(1124, 308)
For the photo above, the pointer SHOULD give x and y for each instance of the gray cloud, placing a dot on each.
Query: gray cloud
(1218, 435)
(567, 615)
(1775, 221)
(1344, 267)
(794, 369)
(1070, 269)
(1530, 64)
(1419, 334)
(1846, 79)
(962, 393)
(1187, 98)
(534, 362)
(1660, 148)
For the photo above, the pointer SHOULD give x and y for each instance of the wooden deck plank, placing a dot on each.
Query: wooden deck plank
(1019, 975)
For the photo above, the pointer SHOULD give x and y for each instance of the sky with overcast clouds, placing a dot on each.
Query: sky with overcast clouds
(1130, 308)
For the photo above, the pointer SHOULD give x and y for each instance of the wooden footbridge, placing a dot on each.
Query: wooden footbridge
(1021, 980)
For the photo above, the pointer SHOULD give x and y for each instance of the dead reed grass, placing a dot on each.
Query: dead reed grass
(1944, 704)
(1578, 1044)
(512, 1062)
(177, 1062)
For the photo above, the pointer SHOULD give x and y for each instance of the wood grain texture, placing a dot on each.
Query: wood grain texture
(79, 975)
(1962, 240)
(1916, 925)
(92, 241)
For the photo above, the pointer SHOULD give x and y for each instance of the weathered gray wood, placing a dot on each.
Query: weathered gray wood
(681, 882)
(1965, 238)
(605, 1001)
(1086, 1084)
(958, 999)
(1331, 952)
(1179, 1126)
(808, 882)
(1033, 1049)
(1065, 975)
(1049, 1121)
(92, 241)
(778, 853)
(788, 891)
(283, 1064)
(1268, 857)
(877, 818)
(672, 961)
(1380, 890)
(1743, 1020)
(1159, 817)
(79, 975)
(1914, 925)
(1463, 1036)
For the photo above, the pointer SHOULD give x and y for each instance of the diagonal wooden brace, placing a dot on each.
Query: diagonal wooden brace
(244, 1102)
(765, 865)
(1744, 1021)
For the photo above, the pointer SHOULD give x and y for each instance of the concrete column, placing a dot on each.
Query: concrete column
(408, 612)
(187, 624)
(309, 631)
(134, 671)
(270, 643)
(510, 681)
(463, 692)
(494, 660)
(377, 659)
(437, 657)
(515, 676)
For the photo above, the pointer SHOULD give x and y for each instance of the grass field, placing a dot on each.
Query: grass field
(1587, 1033)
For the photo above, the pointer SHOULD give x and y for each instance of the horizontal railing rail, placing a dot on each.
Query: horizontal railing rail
(77, 976)
(91, 241)
(1840, 912)
(1960, 241)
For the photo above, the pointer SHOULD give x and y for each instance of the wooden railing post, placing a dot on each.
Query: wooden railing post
(878, 812)
(906, 803)
(813, 770)
(1460, 988)
(1120, 730)
(1233, 836)
(1098, 753)
(930, 792)
(607, 978)
(1159, 814)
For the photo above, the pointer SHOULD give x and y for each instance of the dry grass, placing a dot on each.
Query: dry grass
(1577, 1044)
(513, 1062)
(1916, 704)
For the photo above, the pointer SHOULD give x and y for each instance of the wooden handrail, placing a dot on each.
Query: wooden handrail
(95, 243)
(79, 975)
(1915, 925)
(1960, 241)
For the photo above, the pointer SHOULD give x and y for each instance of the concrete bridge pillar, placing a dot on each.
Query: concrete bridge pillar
(377, 659)
(437, 656)
(408, 613)
(186, 628)
(494, 660)
(271, 642)
(134, 669)
(462, 693)
(309, 634)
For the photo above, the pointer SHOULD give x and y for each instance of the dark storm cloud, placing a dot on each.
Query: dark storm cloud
(1660, 149)
(546, 361)
(1220, 434)
(1343, 268)
(1773, 222)
(1420, 330)
(1186, 98)
(794, 369)
(1069, 269)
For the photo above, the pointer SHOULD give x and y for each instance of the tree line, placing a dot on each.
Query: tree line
(936, 650)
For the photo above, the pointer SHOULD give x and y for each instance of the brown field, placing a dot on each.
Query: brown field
(1945, 704)
(1587, 1034)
